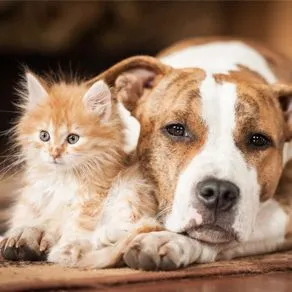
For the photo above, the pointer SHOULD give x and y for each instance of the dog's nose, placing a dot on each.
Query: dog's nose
(218, 194)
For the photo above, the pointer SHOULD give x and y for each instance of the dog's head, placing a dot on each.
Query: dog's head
(212, 144)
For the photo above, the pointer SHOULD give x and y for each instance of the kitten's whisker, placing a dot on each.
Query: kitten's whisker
(163, 212)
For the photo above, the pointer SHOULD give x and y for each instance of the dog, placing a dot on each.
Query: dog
(215, 125)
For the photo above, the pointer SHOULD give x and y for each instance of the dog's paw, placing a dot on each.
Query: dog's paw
(25, 244)
(69, 254)
(161, 250)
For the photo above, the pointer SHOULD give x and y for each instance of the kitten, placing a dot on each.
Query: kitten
(71, 140)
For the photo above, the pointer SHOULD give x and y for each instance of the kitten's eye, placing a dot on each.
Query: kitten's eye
(259, 141)
(44, 136)
(72, 138)
(177, 130)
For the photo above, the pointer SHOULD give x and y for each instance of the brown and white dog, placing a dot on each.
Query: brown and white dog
(215, 120)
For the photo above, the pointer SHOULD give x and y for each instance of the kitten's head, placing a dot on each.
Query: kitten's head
(68, 126)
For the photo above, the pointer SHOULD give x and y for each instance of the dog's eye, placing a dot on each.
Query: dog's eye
(72, 138)
(44, 136)
(177, 130)
(259, 141)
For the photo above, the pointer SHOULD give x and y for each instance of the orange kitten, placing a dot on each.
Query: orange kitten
(71, 140)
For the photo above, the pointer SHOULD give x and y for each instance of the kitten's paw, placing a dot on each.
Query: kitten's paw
(69, 254)
(25, 244)
(157, 251)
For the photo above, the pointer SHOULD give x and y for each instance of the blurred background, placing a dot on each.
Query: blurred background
(88, 37)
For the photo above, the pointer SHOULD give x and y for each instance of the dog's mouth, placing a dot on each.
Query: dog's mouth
(212, 234)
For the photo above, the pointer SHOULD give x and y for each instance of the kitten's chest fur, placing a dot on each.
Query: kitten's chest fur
(51, 197)
(53, 191)
(56, 194)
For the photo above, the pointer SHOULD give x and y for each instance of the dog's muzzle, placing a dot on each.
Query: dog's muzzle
(216, 200)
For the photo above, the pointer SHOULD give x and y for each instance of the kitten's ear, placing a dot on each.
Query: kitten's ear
(35, 90)
(98, 99)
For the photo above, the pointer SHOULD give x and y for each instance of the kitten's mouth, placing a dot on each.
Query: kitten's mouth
(56, 162)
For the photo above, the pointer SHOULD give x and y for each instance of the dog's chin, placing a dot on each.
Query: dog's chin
(211, 234)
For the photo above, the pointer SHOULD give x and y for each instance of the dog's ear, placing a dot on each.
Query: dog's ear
(132, 77)
(284, 94)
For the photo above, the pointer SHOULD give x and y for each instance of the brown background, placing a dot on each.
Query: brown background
(87, 37)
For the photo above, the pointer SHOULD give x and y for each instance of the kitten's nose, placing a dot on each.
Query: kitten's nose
(55, 153)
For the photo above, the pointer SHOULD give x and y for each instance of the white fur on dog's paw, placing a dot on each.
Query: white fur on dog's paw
(161, 250)
(69, 254)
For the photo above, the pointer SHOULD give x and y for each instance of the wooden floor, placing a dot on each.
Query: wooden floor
(274, 282)
(266, 273)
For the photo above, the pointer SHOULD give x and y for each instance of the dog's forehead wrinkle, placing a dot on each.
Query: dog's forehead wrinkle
(179, 80)
(244, 106)
(247, 116)
(186, 87)
(175, 80)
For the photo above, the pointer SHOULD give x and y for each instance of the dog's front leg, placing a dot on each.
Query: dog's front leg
(164, 250)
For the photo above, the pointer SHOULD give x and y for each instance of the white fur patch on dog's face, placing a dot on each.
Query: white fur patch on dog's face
(219, 158)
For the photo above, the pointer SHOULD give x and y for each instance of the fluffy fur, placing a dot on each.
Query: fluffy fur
(70, 138)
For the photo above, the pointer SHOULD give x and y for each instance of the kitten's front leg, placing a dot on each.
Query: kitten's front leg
(73, 244)
(164, 250)
(26, 244)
